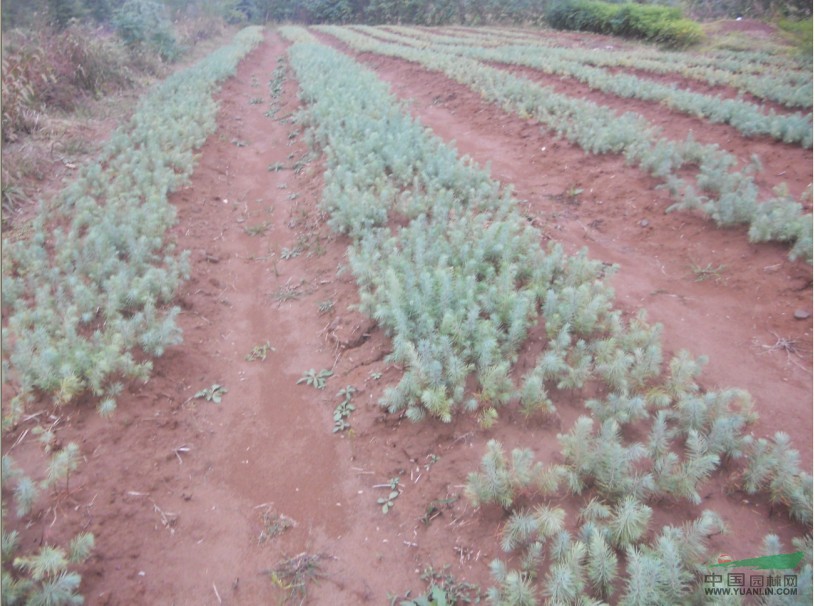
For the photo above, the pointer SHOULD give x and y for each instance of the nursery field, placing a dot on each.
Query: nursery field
(520, 315)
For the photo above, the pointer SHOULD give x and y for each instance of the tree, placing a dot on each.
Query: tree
(62, 12)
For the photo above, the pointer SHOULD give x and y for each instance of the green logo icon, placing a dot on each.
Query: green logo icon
(782, 561)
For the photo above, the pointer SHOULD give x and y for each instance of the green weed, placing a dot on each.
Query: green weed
(212, 394)
(708, 272)
(316, 379)
(293, 576)
(389, 501)
(344, 409)
(259, 352)
(257, 230)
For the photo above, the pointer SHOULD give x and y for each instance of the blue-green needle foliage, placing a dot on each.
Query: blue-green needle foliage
(776, 78)
(728, 196)
(448, 267)
(462, 278)
(91, 290)
(748, 118)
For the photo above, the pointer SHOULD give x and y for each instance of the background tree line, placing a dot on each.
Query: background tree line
(17, 13)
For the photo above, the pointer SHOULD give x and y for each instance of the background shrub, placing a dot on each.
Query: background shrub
(43, 69)
(661, 24)
(801, 33)
(143, 23)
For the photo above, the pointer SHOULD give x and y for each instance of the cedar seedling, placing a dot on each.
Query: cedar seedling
(326, 306)
(290, 253)
(61, 466)
(314, 378)
(44, 577)
(488, 417)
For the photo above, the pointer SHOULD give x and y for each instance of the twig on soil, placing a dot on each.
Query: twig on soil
(465, 436)
(195, 313)
(19, 439)
(362, 471)
(167, 519)
(55, 423)
(31, 416)
(379, 357)
(217, 595)
(182, 448)
(790, 346)
(782, 344)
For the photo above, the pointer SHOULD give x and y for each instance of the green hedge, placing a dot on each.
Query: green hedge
(661, 24)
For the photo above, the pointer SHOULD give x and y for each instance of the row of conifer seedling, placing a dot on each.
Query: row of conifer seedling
(721, 187)
(88, 295)
(457, 277)
(745, 116)
(782, 80)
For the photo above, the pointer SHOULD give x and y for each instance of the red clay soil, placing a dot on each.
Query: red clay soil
(178, 490)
